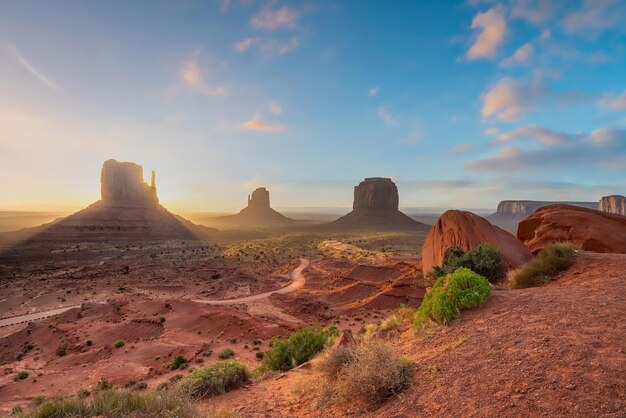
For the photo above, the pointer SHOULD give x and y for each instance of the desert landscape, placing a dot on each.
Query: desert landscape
(239, 208)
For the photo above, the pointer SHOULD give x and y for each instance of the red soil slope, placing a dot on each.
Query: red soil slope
(555, 351)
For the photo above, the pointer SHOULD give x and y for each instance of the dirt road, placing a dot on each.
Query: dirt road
(296, 276)
(34, 316)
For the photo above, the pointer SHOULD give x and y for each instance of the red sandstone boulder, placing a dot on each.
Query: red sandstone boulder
(592, 230)
(457, 228)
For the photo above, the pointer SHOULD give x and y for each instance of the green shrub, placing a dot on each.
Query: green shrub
(484, 260)
(62, 349)
(117, 404)
(215, 379)
(21, 376)
(104, 384)
(552, 260)
(299, 348)
(451, 294)
(178, 361)
(226, 354)
(119, 343)
(89, 343)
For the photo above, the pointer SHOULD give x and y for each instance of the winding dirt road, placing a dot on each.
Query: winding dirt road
(34, 316)
(296, 276)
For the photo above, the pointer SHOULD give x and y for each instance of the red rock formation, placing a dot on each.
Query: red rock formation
(516, 210)
(258, 212)
(590, 229)
(613, 204)
(121, 184)
(375, 204)
(260, 198)
(456, 228)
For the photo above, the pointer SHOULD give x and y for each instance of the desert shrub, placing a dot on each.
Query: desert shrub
(332, 360)
(140, 386)
(259, 355)
(298, 348)
(178, 361)
(485, 260)
(21, 375)
(392, 322)
(119, 343)
(89, 343)
(451, 294)
(372, 373)
(103, 384)
(552, 260)
(83, 393)
(19, 355)
(214, 379)
(62, 349)
(117, 404)
(226, 354)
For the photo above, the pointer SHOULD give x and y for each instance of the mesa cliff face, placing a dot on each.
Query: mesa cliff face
(122, 183)
(128, 210)
(375, 205)
(613, 204)
(260, 198)
(516, 210)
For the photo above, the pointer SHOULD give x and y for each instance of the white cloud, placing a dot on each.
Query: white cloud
(193, 79)
(506, 100)
(245, 44)
(463, 148)
(275, 108)
(520, 57)
(537, 133)
(493, 29)
(612, 102)
(272, 19)
(389, 118)
(595, 16)
(258, 124)
(373, 91)
(413, 138)
(32, 70)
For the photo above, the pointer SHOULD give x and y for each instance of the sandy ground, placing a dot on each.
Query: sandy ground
(557, 350)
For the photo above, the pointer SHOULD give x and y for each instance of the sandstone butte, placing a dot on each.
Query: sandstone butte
(258, 211)
(589, 229)
(376, 202)
(457, 228)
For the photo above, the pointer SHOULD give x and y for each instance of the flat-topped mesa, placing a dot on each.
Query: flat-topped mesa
(260, 198)
(520, 209)
(613, 204)
(123, 183)
(377, 193)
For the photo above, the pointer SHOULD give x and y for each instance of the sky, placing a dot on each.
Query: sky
(461, 103)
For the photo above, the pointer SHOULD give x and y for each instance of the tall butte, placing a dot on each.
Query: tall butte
(258, 212)
(128, 210)
(376, 204)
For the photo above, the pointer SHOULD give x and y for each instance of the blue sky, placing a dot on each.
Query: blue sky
(463, 104)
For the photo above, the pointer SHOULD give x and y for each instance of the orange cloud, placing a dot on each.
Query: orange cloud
(261, 125)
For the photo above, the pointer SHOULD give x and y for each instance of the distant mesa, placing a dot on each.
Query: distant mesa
(258, 212)
(516, 210)
(376, 205)
(457, 228)
(128, 210)
(613, 204)
(590, 229)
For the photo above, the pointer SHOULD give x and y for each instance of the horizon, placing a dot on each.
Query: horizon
(462, 103)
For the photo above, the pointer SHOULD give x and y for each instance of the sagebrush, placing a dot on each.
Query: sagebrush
(552, 260)
(485, 260)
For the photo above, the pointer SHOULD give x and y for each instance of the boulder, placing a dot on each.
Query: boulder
(457, 228)
(516, 210)
(613, 204)
(345, 339)
(591, 230)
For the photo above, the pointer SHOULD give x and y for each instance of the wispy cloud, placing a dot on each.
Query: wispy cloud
(275, 108)
(192, 78)
(537, 133)
(612, 102)
(373, 91)
(595, 16)
(389, 118)
(492, 29)
(520, 57)
(604, 148)
(272, 19)
(534, 11)
(29, 67)
(413, 138)
(258, 124)
(268, 47)
(245, 44)
(463, 148)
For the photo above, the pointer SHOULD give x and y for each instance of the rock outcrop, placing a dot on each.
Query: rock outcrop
(128, 210)
(613, 204)
(257, 213)
(121, 184)
(590, 229)
(457, 228)
(516, 210)
(375, 205)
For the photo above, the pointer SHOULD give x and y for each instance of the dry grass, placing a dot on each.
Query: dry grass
(552, 260)
(332, 360)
